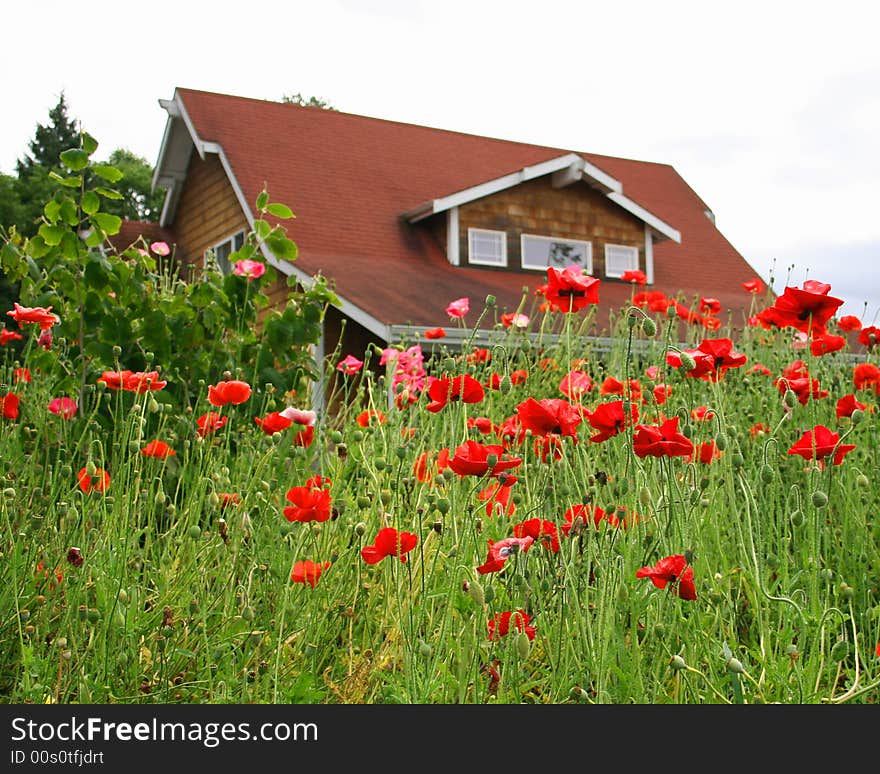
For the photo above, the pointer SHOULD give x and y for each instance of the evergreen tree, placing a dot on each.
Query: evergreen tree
(50, 139)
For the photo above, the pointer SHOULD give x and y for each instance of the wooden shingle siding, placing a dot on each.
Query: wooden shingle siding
(535, 207)
(208, 211)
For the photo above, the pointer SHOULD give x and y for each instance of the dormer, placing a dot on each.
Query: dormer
(560, 212)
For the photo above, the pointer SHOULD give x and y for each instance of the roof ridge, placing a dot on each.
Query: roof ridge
(460, 133)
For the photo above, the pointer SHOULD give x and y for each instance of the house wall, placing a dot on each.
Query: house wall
(208, 211)
(535, 207)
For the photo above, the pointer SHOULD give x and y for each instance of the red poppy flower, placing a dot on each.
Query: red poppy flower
(847, 404)
(570, 290)
(22, 375)
(228, 499)
(75, 557)
(519, 376)
(308, 571)
(370, 415)
(6, 336)
(609, 419)
(42, 574)
(515, 320)
(819, 443)
(210, 423)
(499, 624)
(550, 446)
(759, 428)
(661, 393)
(797, 378)
(435, 333)
(34, 314)
(482, 425)
(389, 542)
(760, 369)
(549, 416)
(687, 314)
(702, 414)
(849, 323)
(429, 464)
(870, 336)
(574, 384)
(63, 407)
(304, 437)
(621, 516)
(542, 531)
(497, 496)
(662, 441)
(158, 449)
(866, 376)
(479, 355)
(711, 323)
(807, 310)
(675, 570)
(273, 422)
(9, 405)
(233, 391)
(579, 515)
(706, 453)
(472, 459)
(654, 300)
(501, 550)
(464, 388)
(308, 503)
(713, 358)
(458, 308)
(826, 343)
(710, 305)
(96, 482)
(753, 286)
(635, 276)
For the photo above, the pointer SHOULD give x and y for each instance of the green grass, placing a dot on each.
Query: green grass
(180, 599)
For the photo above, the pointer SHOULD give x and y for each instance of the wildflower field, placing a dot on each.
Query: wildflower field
(541, 517)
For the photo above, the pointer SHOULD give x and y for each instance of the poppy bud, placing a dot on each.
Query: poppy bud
(505, 385)
(826, 575)
(490, 301)
(425, 650)
(645, 497)
(687, 361)
(489, 594)
(846, 591)
(385, 496)
(840, 650)
(475, 592)
(649, 327)
(819, 498)
(737, 460)
(789, 398)
(443, 505)
(122, 596)
(670, 311)
(360, 529)
(678, 663)
(631, 320)
(735, 665)
(721, 441)
(857, 416)
(363, 503)
(380, 463)
(522, 646)
(492, 460)
(767, 473)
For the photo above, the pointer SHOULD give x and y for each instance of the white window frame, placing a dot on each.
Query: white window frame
(588, 249)
(483, 261)
(633, 259)
(235, 242)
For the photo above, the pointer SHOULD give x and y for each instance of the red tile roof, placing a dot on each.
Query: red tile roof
(349, 179)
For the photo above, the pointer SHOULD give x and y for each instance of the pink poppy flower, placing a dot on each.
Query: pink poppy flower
(349, 365)
(459, 308)
(63, 407)
(250, 269)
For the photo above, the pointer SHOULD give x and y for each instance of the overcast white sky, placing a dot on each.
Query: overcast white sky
(769, 110)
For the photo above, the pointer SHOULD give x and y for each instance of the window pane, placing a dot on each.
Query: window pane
(620, 258)
(541, 252)
(221, 253)
(487, 247)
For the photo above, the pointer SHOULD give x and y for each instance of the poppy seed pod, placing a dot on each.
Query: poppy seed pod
(687, 361)
(490, 301)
